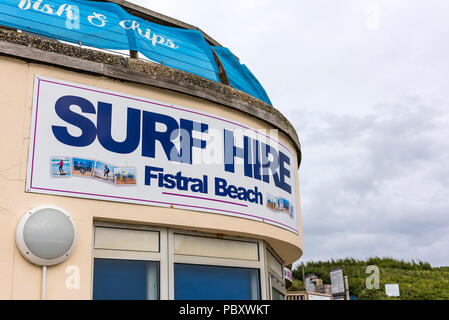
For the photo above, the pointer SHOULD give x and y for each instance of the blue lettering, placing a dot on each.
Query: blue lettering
(268, 165)
(231, 151)
(177, 181)
(284, 172)
(169, 181)
(232, 192)
(256, 158)
(104, 130)
(261, 161)
(149, 175)
(150, 135)
(188, 142)
(222, 189)
(88, 130)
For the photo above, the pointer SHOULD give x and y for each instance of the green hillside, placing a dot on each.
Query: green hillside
(417, 280)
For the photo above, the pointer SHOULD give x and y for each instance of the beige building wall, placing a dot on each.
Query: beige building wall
(21, 280)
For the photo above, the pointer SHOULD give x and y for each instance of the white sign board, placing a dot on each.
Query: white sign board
(94, 143)
(392, 290)
(310, 283)
(288, 274)
(337, 282)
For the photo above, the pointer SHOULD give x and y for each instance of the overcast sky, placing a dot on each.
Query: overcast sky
(366, 85)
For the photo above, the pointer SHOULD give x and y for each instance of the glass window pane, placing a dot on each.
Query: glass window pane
(275, 265)
(125, 280)
(198, 282)
(276, 295)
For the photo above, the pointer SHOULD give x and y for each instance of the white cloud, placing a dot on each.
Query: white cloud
(377, 184)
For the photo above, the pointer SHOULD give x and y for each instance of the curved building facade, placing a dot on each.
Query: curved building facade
(180, 187)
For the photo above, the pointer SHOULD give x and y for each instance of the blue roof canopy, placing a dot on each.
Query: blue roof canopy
(109, 26)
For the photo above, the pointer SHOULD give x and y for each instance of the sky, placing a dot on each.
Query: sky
(365, 83)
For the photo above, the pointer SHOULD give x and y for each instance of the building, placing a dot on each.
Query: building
(119, 145)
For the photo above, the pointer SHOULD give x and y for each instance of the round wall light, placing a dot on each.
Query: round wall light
(46, 236)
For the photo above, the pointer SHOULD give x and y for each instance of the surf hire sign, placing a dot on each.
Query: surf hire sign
(93, 143)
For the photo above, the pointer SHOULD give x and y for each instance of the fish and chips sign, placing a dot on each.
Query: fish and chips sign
(93, 143)
(107, 25)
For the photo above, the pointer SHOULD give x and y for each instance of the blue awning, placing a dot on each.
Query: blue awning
(239, 75)
(109, 26)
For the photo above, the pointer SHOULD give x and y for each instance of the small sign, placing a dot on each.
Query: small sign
(310, 283)
(337, 282)
(392, 290)
(288, 274)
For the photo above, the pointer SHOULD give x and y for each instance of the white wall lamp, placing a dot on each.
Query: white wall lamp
(46, 236)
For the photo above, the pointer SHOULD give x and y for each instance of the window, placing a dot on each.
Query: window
(275, 276)
(127, 263)
(198, 282)
(125, 280)
(215, 268)
(276, 295)
(151, 263)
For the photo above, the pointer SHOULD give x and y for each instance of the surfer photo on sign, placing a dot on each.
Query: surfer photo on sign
(106, 171)
(102, 172)
(61, 170)
(60, 167)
